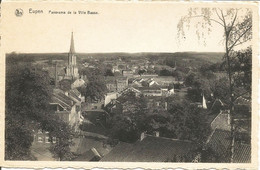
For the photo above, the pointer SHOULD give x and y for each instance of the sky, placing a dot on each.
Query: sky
(120, 27)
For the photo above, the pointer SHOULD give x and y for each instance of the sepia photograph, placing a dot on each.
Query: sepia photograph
(155, 82)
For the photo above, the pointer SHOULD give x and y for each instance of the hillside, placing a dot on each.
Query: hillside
(207, 56)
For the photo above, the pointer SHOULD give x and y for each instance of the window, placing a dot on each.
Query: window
(40, 139)
(54, 140)
(47, 139)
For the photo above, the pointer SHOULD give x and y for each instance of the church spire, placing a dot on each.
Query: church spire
(72, 49)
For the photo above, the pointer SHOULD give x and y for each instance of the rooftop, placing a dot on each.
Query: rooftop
(220, 142)
(60, 98)
(150, 149)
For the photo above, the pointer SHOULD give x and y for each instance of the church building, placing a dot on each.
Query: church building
(71, 71)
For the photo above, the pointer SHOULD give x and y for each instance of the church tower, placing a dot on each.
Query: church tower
(72, 70)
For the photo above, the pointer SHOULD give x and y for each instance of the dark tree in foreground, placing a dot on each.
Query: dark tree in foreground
(28, 93)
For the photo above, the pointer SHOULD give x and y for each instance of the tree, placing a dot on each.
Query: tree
(198, 85)
(28, 94)
(64, 135)
(27, 100)
(127, 124)
(109, 72)
(140, 72)
(65, 84)
(188, 121)
(165, 72)
(96, 87)
(237, 28)
(18, 139)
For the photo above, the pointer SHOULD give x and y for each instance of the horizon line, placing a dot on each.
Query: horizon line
(115, 52)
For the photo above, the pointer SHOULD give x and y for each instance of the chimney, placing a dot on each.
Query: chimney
(142, 136)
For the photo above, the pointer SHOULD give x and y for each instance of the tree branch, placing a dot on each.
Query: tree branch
(241, 42)
(240, 95)
(225, 26)
(219, 15)
(208, 18)
(239, 37)
(232, 24)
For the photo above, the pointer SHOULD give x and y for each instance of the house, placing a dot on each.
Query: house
(77, 83)
(41, 144)
(110, 96)
(150, 91)
(89, 148)
(138, 82)
(221, 121)
(127, 73)
(220, 116)
(122, 83)
(90, 155)
(219, 142)
(157, 102)
(131, 89)
(111, 83)
(66, 107)
(116, 84)
(167, 90)
(75, 95)
(165, 80)
(115, 69)
(151, 82)
(123, 101)
(152, 149)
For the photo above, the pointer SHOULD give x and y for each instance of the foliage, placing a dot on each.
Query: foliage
(182, 121)
(140, 72)
(220, 89)
(18, 139)
(108, 73)
(124, 129)
(127, 124)
(189, 122)
(165, 72)
(63, 134)
(237, 28)
(198, 85)
(242, 69)
(96, 87)
(65, 84)
(27, 97)
(28, 94)
(179, 75)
